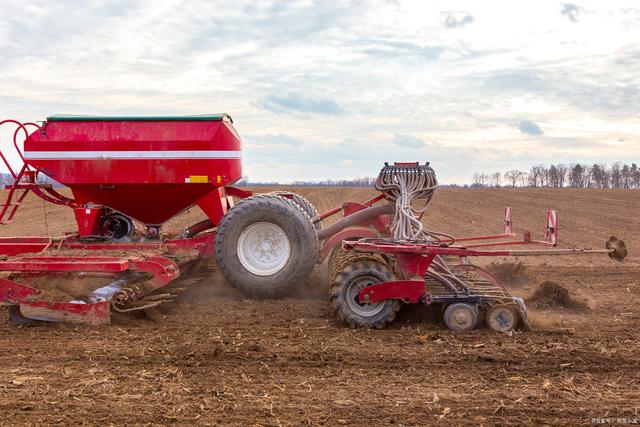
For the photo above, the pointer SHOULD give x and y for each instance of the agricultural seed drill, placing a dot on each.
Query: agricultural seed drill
(371, 277)
(130, 175)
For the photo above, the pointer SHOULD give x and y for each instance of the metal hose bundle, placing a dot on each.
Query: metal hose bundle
(402, 184)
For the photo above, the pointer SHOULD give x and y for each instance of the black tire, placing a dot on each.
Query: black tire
(341, 259)
(302, 240)
(333, 257)
(305, 204)
(337, 254)
(359, 274)
(18, 319)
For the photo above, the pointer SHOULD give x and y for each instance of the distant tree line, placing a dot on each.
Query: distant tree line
(576, 175)
(366, 181)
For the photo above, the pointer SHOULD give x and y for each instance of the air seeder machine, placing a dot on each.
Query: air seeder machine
(127, 176)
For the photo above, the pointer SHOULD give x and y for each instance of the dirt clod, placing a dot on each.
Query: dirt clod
(550, 294)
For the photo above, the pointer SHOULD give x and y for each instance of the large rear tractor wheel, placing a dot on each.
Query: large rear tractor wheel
(346, 286)
(305, 204)
(266, 245)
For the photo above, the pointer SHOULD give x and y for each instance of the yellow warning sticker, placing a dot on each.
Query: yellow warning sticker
(197, 179)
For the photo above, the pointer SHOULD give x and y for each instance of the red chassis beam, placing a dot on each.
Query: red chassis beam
(381, 246)
(13, 293)
(202, 243)
(161, 271)
(10, 246)
(414, 259)
(86, 314)
(409, 291)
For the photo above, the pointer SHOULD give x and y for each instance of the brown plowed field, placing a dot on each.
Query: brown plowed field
(216, 358)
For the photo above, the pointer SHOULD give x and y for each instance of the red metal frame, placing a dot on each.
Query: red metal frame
(349, 233)
(371, 228)
(408, 291)
(88, 314)
(414, 259)
(161, 271)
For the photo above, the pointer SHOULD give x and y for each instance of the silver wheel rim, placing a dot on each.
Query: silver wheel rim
(353, 302)
(263, 248)
(461, 317)
(501, 319)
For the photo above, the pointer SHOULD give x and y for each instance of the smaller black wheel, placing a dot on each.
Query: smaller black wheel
(502, 318)
(18, 319)
(344, 295)
(461, 317)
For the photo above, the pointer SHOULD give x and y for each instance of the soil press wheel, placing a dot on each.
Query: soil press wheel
(461, 316)
(266, 245)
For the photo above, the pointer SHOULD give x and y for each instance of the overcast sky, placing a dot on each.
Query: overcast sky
(332, 89)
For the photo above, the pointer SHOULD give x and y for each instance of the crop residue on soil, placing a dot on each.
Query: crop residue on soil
(217, 358)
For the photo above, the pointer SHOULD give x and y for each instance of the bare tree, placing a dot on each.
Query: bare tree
(513, 176)
(496, 179)
(544, 176)
(635, 175)
(576, 176)
(476, 180)
(615, 175)
(552, 178)
(523, 179)
(537, 176)
(627, 179)
(561, 174)
(599, 176)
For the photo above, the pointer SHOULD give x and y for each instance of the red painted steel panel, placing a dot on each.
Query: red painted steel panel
(150, 204)
(86, 314)
(408, 291)
(150, 170)
(88, 220)
(13, 292)
(21, 245)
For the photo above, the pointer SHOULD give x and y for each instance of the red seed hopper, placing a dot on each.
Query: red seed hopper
(147, 169)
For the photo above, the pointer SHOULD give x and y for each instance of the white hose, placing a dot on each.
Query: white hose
(403, 184)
